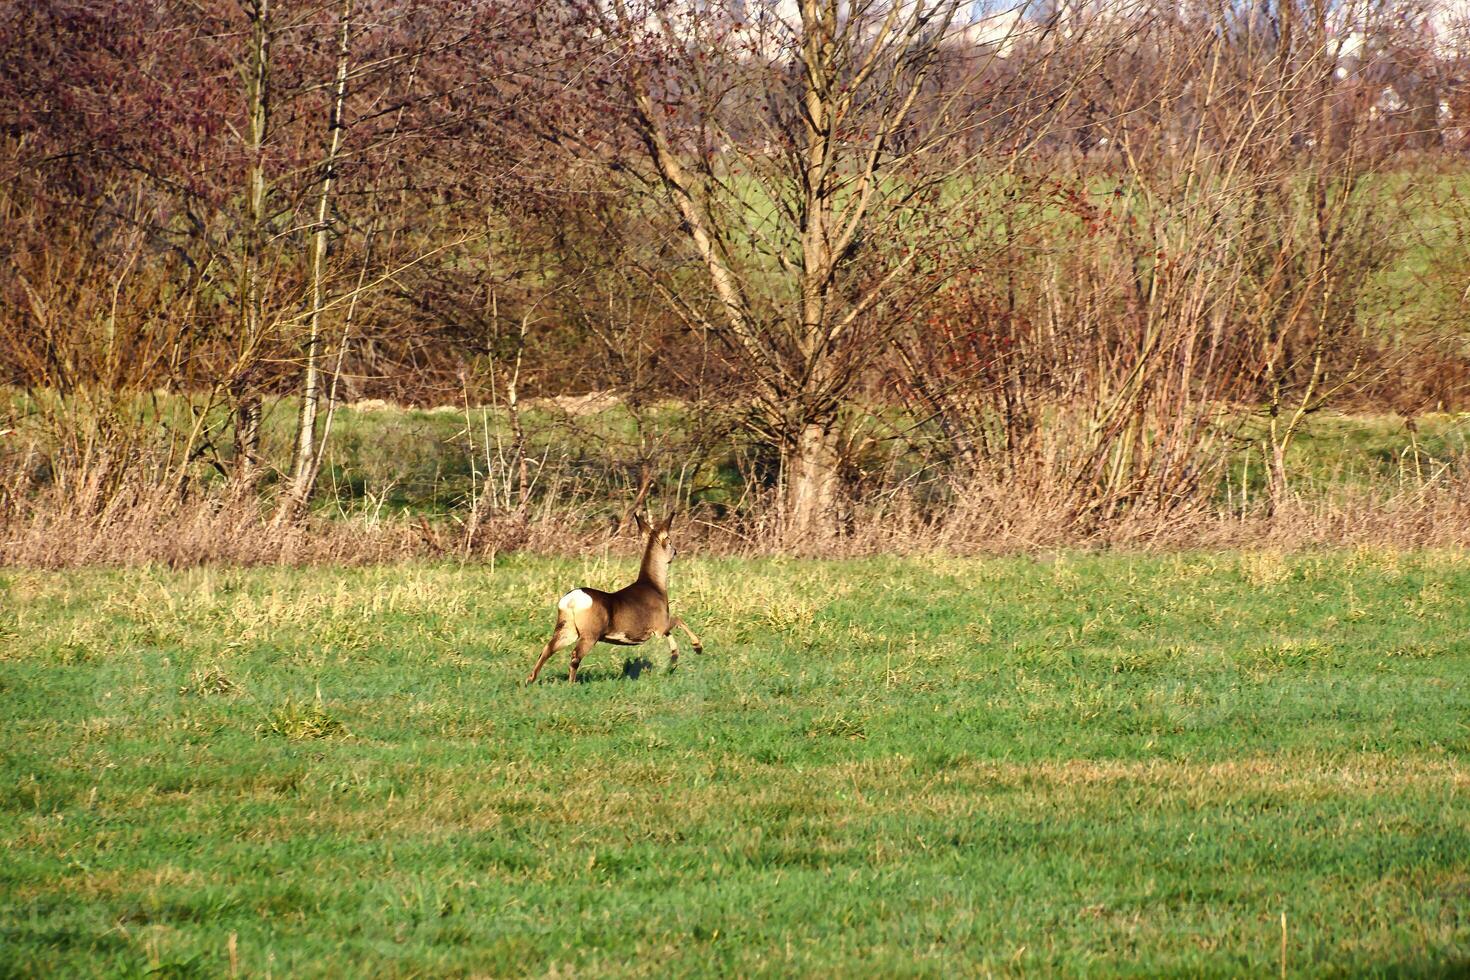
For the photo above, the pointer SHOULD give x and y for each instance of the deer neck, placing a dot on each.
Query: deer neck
(654, 571)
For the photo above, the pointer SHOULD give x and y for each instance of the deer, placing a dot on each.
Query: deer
(632, 615)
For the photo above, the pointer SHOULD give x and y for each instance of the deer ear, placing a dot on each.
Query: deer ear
(643, 527)
(667, 523)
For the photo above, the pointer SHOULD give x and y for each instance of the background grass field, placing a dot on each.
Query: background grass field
(393, 460)
(414, 461)
(926, 766)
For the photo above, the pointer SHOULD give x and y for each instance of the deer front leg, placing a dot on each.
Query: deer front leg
(698, 647)
(673, 648)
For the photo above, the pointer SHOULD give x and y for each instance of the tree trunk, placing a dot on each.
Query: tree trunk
(246, 395)
(812, 483)
(247, 435)
(306, 455)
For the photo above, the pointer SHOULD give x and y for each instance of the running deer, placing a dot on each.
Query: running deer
(627, 617)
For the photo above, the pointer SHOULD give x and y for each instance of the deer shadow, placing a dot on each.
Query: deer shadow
(632, 669)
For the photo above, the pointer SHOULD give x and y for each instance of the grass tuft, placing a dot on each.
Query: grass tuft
(297, 721)
(206, 682)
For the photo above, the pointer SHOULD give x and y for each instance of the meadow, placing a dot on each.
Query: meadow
(1240, 763)
(394, 460)
(430, 462)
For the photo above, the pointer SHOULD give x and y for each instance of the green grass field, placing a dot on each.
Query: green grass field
(419, 462)
(393, 461)
(1092, 765)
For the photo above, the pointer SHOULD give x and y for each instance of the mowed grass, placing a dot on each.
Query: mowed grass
(1093, 764)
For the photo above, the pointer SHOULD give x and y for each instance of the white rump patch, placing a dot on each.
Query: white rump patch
(575, 601)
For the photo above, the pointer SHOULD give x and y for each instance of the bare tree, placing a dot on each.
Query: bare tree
(305, 454)
(251, 291)
(812, 166)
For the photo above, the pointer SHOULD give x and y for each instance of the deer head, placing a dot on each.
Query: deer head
(659, 551)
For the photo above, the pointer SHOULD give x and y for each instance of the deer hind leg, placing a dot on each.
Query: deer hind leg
(562, 637)
(698, 647)
(584, 643)
(673, 647)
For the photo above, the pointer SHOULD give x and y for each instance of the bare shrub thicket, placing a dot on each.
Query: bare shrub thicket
(216, 200)
(1192, 280)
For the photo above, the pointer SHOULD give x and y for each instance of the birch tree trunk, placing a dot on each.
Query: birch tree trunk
(305, 456)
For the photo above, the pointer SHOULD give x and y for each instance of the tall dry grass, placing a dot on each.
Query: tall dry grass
(152, 526)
